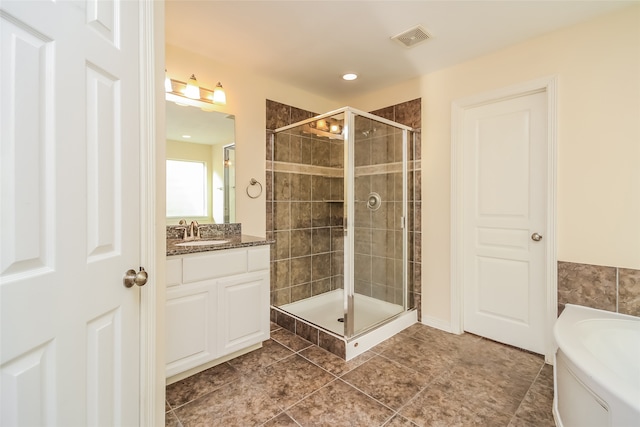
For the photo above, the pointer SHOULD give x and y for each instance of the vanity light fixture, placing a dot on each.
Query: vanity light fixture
(192, 90)
(326, 127)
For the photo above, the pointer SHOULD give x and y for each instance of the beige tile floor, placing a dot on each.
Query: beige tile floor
(420, 377)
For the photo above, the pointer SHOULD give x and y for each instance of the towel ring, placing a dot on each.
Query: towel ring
(253, 182)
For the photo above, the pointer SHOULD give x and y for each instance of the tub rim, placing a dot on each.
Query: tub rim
(588, 364)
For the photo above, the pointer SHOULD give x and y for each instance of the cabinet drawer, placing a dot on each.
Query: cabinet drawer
(174, 271)
(211, 266)
(258, 258)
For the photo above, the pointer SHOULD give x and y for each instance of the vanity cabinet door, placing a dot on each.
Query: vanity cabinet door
(191, 325)
(243, 311)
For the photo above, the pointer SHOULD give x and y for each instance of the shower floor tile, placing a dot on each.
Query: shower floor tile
(420, 377)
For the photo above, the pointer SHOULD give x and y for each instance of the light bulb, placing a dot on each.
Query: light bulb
(219, 97)
(193, 89)
(322, 125)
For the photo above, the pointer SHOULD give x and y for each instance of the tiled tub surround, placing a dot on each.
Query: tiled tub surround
(420, 377)
(304, 208)
(230, 232)
(606, 288)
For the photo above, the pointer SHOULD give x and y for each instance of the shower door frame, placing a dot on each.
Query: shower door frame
(349, 218)
(348, 136)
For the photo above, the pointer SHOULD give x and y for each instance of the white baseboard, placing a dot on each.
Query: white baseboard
(434, 322)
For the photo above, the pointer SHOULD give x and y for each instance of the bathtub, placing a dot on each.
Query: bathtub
(597, 369)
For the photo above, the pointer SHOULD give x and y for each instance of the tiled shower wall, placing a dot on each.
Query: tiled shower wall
(304, 208)
(606, 288)
(307, 188)
(409, 114)
(378, 233)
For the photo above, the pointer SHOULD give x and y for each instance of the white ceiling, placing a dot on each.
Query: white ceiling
(311, 44)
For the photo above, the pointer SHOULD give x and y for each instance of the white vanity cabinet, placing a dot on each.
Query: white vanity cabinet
(217, 304)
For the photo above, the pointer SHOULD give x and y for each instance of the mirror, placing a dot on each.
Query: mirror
(200, 162)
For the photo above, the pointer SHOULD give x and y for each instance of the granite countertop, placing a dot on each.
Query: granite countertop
(234, 241)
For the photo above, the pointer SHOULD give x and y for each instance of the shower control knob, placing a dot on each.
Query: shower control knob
(536, 237)
(374, 201)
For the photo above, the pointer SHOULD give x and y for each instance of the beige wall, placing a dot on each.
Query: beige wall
(246, 97)
(598, 69)
(597, 64)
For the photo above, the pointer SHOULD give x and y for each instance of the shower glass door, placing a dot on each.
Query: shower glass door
(376, 243)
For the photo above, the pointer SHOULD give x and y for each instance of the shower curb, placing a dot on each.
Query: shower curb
(340, 346)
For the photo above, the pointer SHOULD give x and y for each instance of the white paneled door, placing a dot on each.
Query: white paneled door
(504, 220)
(70, 216)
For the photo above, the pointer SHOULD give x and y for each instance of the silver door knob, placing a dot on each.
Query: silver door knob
(536, 237)
(131, 277)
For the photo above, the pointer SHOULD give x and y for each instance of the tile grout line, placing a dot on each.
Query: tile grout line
(394, 412)
(526, 393)
(339, 378)
(173, 409)
(415, 396)
(276, 416)
(309, 395)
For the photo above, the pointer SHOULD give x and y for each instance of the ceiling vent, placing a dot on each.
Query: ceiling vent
(412, 36)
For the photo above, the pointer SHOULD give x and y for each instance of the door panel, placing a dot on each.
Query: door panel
(70, 220)
(501, 284)
(504, 161)
(380, 240)
(500, 183)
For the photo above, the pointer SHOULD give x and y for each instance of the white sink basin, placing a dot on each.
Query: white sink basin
(203, 243)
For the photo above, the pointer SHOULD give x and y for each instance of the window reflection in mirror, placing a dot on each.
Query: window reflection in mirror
(200, 163)
(186, 189)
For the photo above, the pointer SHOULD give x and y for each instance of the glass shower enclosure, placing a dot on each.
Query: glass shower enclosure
(341, 215)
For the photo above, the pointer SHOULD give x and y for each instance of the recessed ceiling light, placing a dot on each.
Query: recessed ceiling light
(186, 136)
(350, 76)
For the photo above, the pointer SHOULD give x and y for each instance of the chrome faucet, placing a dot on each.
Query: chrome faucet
(190, 232)
(183, 227)
(194, 231)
